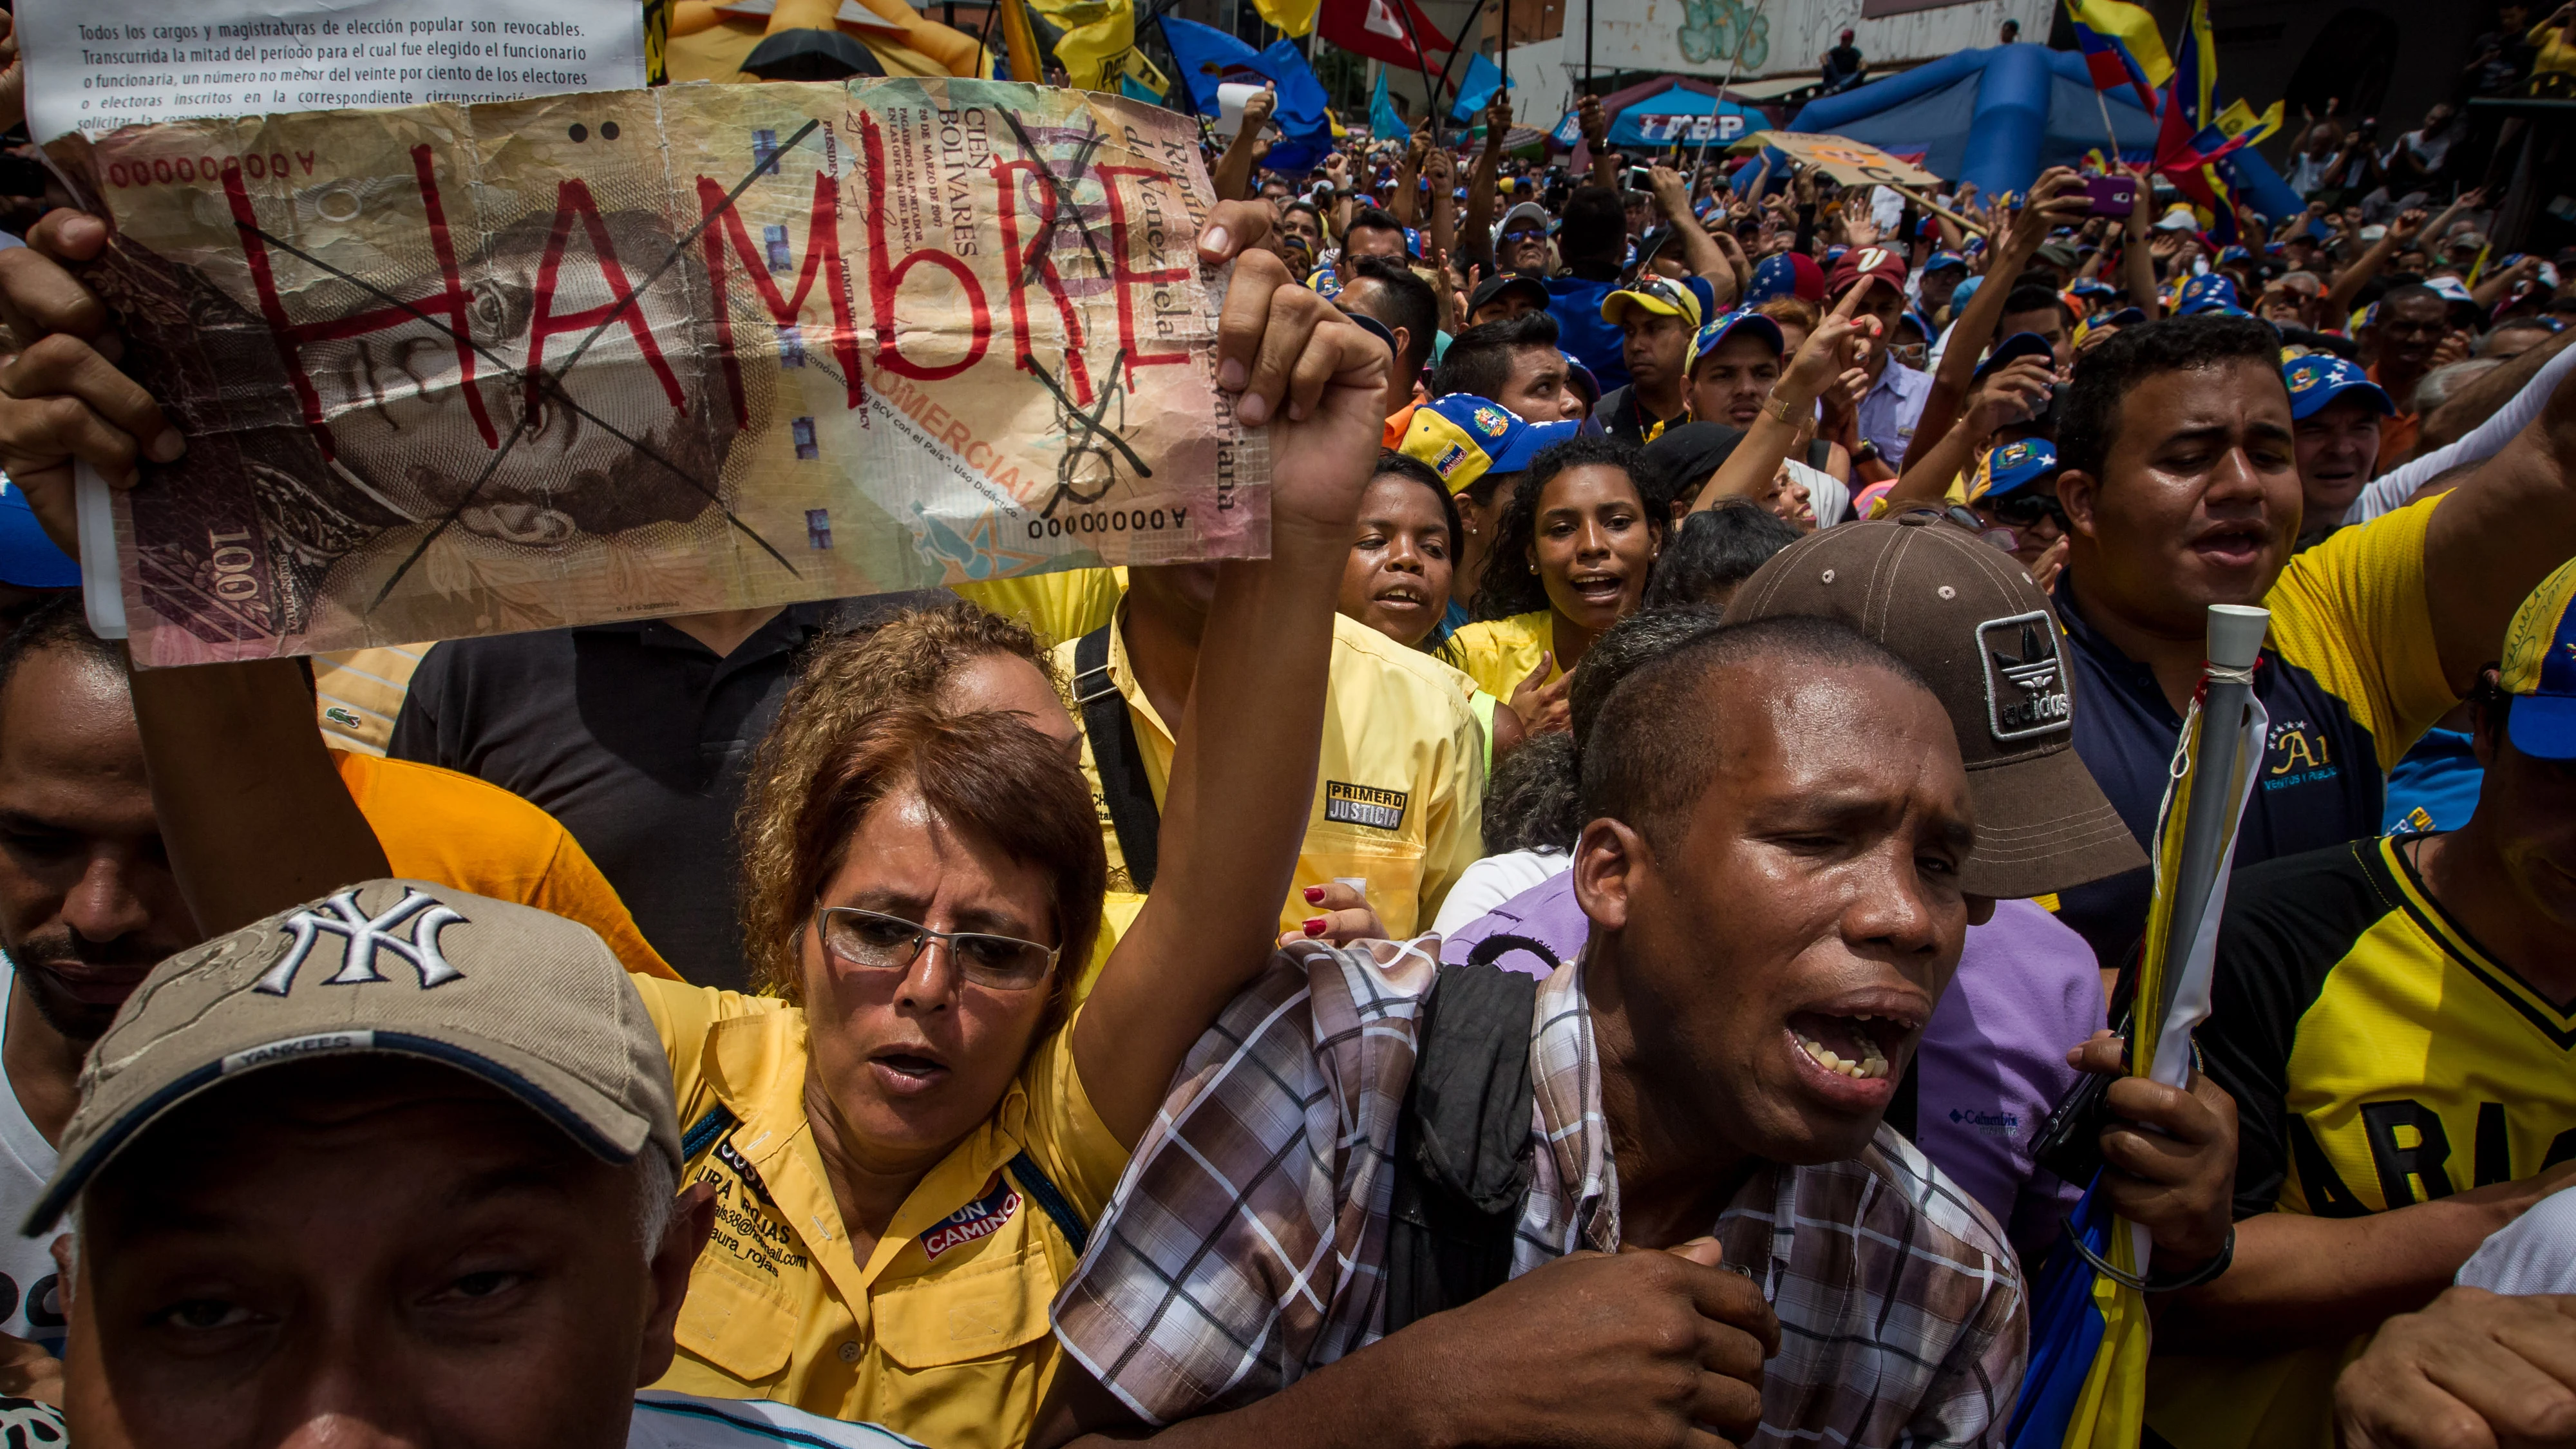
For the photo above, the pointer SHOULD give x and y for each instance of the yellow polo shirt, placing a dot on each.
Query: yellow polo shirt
(942, 1333)
(1499, 653)
(1399, 789)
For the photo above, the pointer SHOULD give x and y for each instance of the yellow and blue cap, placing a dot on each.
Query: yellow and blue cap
(1660, 295)
(1461, 437)
(2013, 349)
(2209, 292)
(2012, 467)
(2539, 669)
(2316, 379)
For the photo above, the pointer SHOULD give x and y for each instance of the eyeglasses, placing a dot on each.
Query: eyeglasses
(874, 941)
(2002, 538)
(2022, 510)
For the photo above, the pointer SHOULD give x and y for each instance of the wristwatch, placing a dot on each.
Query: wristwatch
(1864, 451)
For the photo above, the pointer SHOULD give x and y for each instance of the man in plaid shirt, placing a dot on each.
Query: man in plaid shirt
(1709, 1080)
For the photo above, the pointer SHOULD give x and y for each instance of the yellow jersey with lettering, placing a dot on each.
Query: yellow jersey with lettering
(942, 1333)
(2379, 1057)
(1499, 653)
(1399, 788)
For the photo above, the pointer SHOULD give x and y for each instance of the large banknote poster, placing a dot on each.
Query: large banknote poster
(453, 370)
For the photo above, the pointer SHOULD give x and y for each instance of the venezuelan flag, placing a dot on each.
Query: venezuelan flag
(2106, 37)
(2090, 1335)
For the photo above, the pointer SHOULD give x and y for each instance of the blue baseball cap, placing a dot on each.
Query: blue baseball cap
(2235, 254)
(1959, 298)
(1944, 259)
(1533, 439)
(1709, 337)
(2209, 292)
(1834, 254)
(1921, 324)
(2319, 378)
(2093, 287)
(2539, 669)
(28, 559)
(2013, 349)
(2012, 467)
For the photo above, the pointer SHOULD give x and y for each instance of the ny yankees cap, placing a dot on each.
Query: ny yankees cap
(529, 1002)
(1968, 618)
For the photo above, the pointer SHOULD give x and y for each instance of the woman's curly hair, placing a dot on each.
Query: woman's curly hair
(864, 720)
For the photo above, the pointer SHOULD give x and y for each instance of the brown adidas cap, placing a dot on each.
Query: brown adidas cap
(1966, 615)
(530, 1002)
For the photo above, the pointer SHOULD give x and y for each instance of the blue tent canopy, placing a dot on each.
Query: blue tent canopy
(1671, 115)
(1997, 116)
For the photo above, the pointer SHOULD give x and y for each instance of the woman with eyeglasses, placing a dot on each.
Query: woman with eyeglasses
(904, 1140)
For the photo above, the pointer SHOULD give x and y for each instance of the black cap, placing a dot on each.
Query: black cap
(1493, 287)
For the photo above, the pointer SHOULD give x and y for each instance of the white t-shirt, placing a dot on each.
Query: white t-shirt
(2535, 1253)
(33, 1307)
(1495, 879)
(686, 1421)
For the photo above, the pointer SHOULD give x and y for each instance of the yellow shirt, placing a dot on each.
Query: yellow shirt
(1400, 785)
(438, 825)
(942, 1333)
(1499, 653)
(357, 693)
(1066, 604)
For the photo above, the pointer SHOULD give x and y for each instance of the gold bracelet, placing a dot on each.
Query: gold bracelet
(1780, 409)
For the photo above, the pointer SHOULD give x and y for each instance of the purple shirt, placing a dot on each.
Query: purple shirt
(1992, 1063)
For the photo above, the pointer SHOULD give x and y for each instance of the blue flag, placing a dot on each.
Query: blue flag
(1384, 122)
(1476, 87)
(1208, 57)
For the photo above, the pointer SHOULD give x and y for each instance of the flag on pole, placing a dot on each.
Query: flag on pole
(1294, 18)
(1093, 39)
(2086, 1386)
(1385, 122)
(1208, 57)
(2239, 118)
(1378, 29)
(2133, 29)
(2110, 61)
(1477, 86)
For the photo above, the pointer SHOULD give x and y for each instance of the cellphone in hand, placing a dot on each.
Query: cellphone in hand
(2112, 195)
(1640, 179)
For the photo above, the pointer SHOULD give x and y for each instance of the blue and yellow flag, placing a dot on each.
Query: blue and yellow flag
(2108, 57)
(2133, 29)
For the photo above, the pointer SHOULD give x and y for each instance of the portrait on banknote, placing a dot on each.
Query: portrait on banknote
(448, 371)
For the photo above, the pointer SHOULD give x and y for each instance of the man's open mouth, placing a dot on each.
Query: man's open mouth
(1855, 1046)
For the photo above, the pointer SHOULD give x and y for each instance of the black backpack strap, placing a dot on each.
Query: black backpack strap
(1039, 1189)
(1118, 757)
(1503, 943)
(1462, 1144)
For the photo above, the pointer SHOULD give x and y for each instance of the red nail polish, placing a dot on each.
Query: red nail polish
(1314, 895)
(1315, 927)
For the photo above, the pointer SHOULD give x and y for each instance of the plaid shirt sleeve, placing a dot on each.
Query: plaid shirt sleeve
(1246, 1244)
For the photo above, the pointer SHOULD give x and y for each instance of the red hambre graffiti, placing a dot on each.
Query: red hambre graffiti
(573, 203)
(1127, 276)
(291, 336)
(885, 278)
(1016, 259)
(978, 1219)
(822, 258)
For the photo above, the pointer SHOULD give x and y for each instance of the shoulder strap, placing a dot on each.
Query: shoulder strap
(1116, 754)
(1462, 1144)
(1051, 1200)
(702, 1134)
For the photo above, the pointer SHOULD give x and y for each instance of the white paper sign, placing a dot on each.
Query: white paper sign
(95, 65)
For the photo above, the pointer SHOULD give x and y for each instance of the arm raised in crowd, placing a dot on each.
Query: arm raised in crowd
(1478, 247)
(252, 811)
(2138, 251)
(2017, 390)
(1232, 174)
(1702, 255)
(1243, 775)
(2348, 282)
(2498, 535)
(1749, 470)
(2056, 198)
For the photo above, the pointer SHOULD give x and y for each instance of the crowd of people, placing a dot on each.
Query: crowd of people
(1579, 945)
